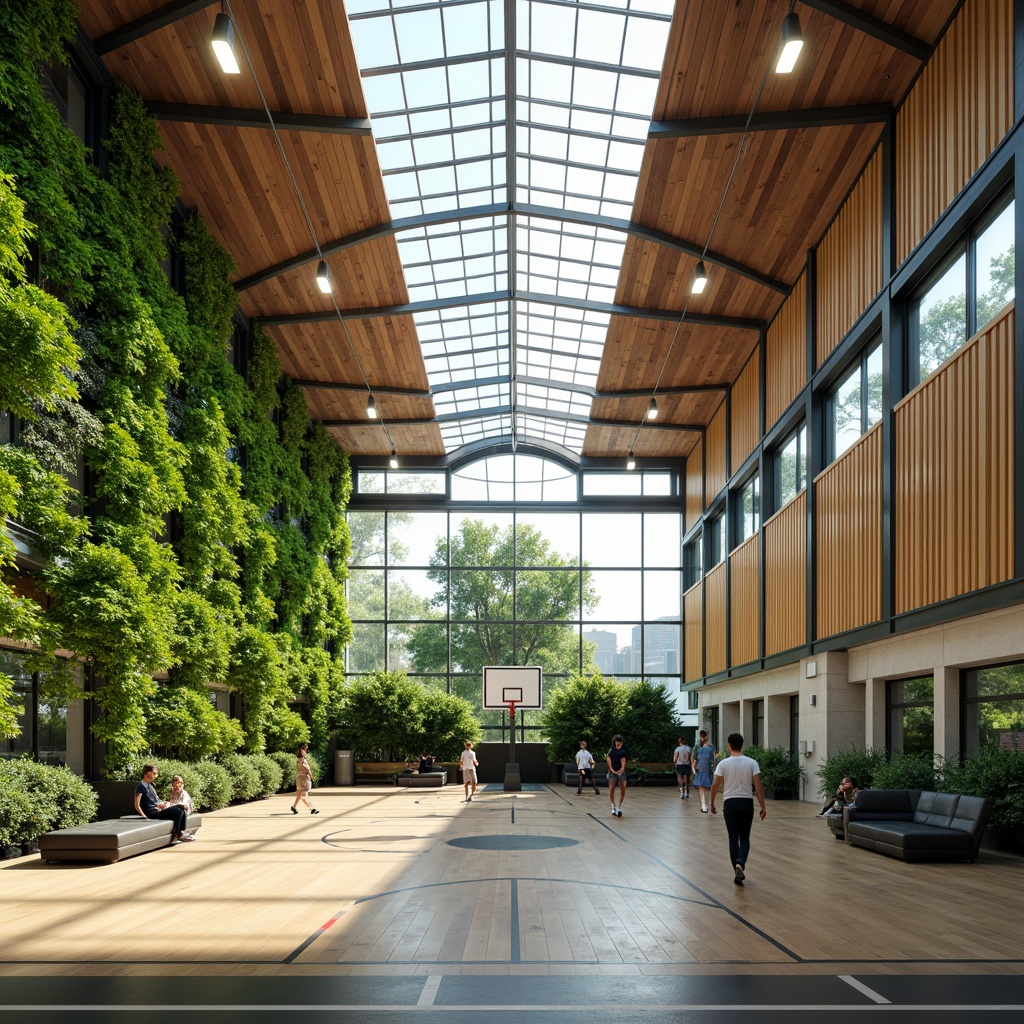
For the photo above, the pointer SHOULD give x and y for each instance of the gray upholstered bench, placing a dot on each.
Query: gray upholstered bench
(109, 841)
(422, 779)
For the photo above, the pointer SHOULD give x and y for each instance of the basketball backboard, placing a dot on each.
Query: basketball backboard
(520, 683)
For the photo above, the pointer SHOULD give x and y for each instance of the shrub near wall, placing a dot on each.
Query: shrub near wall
(38, 798)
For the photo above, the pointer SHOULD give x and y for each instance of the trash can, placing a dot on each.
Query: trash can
(344, 768)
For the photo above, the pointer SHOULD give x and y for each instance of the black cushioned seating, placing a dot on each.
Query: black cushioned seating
(917, 825)
(109, 841)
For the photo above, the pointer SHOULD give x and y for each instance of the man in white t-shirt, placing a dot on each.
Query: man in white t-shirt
(585, 767)
(682, 758)
(735, 776)
(468, 762)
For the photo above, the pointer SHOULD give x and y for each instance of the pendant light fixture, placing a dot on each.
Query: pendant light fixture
(700, 279)
(652, 409)
(792, 43)
(371, 408)
(223, 43)
(323, 278)
(631, 461)
(393, 461)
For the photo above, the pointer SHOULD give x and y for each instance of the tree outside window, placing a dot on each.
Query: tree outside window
(966, 296)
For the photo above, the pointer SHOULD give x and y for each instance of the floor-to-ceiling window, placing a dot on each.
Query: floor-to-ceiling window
(910, 704)
(523, 564)
(993, 708)
(42, 721)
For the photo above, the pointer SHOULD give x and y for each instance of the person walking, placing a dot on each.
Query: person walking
(303, 781)
(616, 759)
(585, 768)
(469, 762)
(704, 767)
(682, 757)
(734, 776)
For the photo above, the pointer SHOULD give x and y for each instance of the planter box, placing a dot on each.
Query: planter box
(780, 794)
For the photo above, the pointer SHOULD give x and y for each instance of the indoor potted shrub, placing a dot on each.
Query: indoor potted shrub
(781, 771)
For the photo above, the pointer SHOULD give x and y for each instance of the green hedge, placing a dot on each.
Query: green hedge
(996, 774)
(38, 798)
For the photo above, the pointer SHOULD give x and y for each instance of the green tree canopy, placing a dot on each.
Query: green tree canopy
(490, 592)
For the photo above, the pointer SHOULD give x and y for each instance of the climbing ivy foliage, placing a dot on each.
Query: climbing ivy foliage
(213, 546)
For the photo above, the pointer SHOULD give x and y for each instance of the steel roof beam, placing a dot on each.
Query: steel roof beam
(152, 22)
(453, 302)
(873, 27)
(234, 117)
(525, 210)
(771, 121)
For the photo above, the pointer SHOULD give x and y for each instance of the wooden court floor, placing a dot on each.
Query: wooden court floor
(373, 886)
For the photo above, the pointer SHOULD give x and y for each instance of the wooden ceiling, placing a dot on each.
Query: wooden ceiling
(788, 184)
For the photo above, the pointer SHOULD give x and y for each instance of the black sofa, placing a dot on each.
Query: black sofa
(915, 824)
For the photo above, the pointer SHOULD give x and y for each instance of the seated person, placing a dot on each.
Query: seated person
(426, 763)
(846, 796)
(179, 795)
(149, 805)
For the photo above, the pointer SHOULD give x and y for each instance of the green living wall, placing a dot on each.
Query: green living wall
(212, 543)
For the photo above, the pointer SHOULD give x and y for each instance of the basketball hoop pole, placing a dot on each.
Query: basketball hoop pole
(512, 732)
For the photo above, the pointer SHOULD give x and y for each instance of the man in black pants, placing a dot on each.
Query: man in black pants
(149, 805)
(735, 776)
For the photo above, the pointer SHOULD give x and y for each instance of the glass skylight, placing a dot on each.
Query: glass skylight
(526, 144)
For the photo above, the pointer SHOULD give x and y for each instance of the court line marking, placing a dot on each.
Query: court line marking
(429, 993)
(707, 896)
(863, 989)
(818, 1008)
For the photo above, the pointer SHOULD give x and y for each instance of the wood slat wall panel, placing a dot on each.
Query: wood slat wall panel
(785, 577)
(848, 527)
(956, 114)
(849, 260)
(715, 469)
(954, 473)
(745, 601)
(746, 411)
(714, 622)
(786, 354)
(693, 632)
(695, 485)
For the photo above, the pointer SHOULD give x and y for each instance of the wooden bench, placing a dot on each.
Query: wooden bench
(109, 841)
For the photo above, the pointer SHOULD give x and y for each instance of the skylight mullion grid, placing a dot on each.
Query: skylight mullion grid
(442, 148)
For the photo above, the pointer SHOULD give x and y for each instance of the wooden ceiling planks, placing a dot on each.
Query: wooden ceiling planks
(787, 188)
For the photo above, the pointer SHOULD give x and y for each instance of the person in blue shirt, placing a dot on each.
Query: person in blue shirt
(149, 805)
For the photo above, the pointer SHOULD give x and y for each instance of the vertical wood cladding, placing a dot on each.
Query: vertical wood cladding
(746, 411)
(954, 473)
(695, 484)
(745, 601)
(693, 633)
(785, 577)
(715, 469)
(848, 528)
(849, 260)
(786, 354)
(956, 114)
(714, 623)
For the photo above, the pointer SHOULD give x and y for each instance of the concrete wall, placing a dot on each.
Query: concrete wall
(842, 693)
